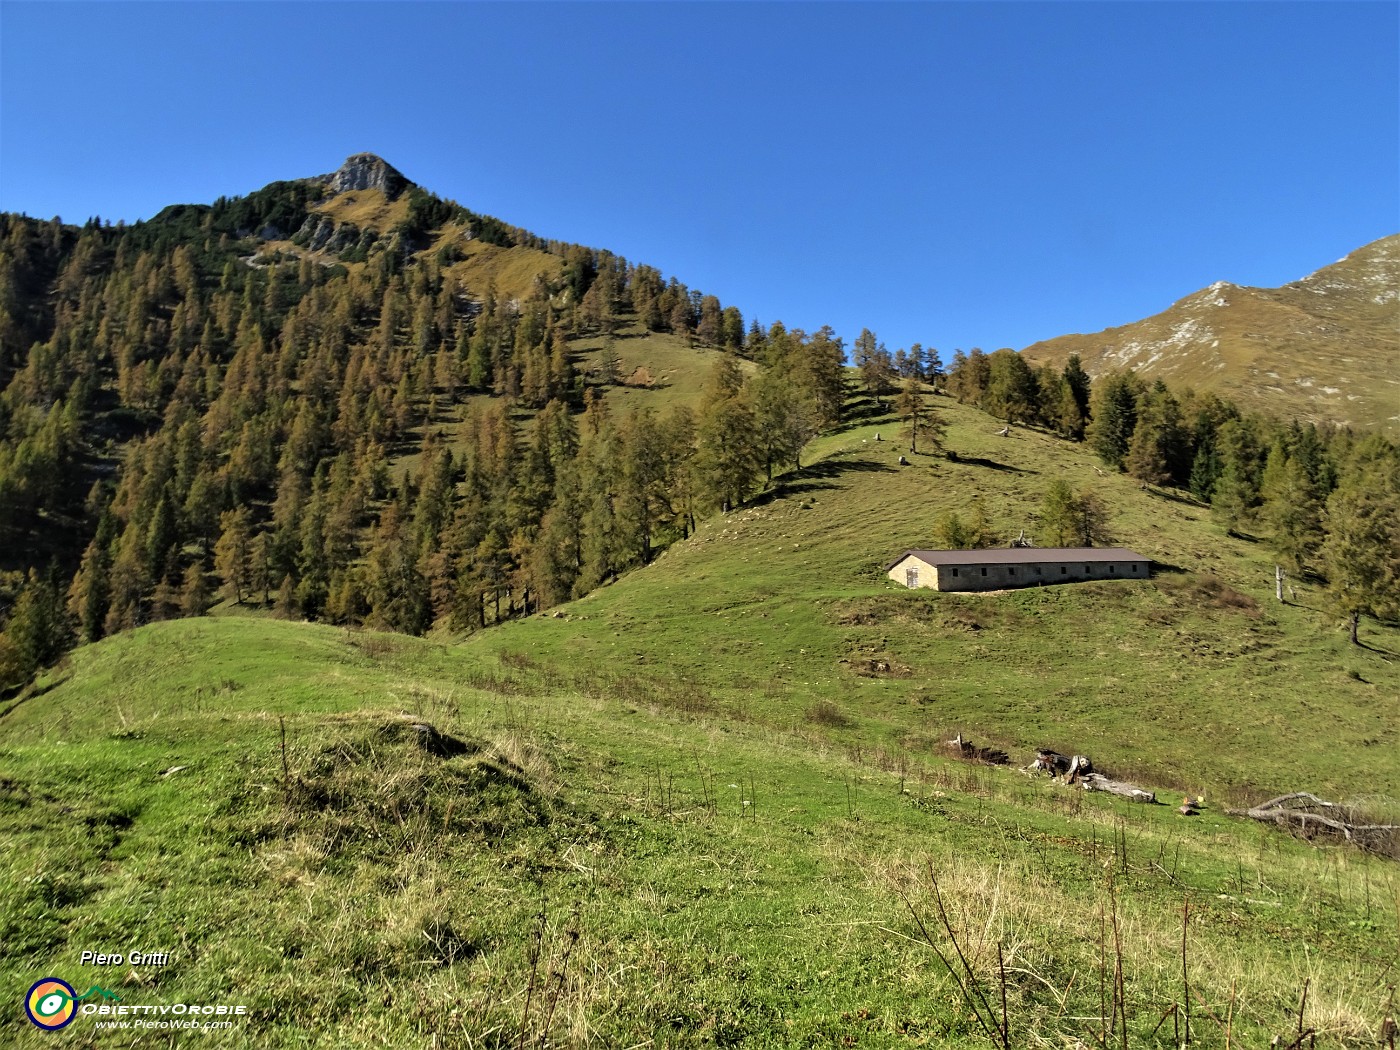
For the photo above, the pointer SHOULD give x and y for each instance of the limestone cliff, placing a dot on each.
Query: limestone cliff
(365, 171)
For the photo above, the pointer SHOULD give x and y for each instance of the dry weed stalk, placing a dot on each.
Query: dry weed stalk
(998, 1030)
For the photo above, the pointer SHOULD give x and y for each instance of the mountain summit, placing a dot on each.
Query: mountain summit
(1324, 348)
(367, 171)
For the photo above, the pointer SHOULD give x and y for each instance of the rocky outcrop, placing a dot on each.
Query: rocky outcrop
(365, 171)
(322, 233)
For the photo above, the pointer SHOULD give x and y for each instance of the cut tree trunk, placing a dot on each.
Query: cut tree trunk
(1099, 782)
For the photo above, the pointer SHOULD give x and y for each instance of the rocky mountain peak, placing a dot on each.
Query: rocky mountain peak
(366, 171)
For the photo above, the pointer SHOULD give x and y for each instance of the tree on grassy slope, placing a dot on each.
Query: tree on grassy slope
(1068, 519)
(37, 632)
(1059, 516)
(1114, 417)
(921, 420)
(728, 456)
(1011, 389)
(1362, 551)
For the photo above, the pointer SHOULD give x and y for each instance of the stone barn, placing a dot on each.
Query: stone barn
(993, 570)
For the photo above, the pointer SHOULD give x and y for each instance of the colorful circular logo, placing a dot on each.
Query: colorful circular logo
(51, 1003)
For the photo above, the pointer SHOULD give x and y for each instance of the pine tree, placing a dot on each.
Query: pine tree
(1157, 449)
(1079, 384)
(709, 329)
(1205, 471)
(1291, 509)
(609, 363)
(728, 451)
(1093, 520)
(286, 605)
(90, 594)
(951, 534)
(1235, 493)
(1011, 392)
(785, 419)
(194, 592)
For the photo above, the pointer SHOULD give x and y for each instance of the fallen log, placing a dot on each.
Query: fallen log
(1099, 782)
(1306, 814)
(966, 749)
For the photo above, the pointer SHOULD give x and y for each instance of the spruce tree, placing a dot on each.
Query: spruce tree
(1114, 417)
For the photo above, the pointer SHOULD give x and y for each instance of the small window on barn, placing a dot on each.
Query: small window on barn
(1011, 570)
(1037, 570)
(1088, 570)
(955, 572)
(984, 572)
(1112, 571)
(1063, 570)
(1133, 568)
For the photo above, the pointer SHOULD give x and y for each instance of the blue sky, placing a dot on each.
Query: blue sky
(957, 174)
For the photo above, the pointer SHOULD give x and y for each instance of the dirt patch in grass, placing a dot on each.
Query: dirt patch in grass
(876, 665)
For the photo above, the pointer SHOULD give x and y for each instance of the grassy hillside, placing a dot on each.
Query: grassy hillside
(1323, 349)
(1197, 679)
(684, 811)
(665, 872)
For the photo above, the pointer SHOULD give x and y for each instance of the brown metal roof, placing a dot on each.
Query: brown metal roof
(1022, 556)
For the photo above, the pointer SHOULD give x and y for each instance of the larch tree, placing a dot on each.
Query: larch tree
(921, 420)
(1361, 555)
(233, 554)
(1060, 517)
(1011, 391)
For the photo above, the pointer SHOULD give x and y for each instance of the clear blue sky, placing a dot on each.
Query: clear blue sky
(958, 174)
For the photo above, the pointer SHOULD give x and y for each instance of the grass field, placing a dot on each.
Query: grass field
(684, 811)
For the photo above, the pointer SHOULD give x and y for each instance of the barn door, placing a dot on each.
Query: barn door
(911, 577)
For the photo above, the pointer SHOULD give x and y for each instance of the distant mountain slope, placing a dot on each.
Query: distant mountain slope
(351, 332)
(1325, 349)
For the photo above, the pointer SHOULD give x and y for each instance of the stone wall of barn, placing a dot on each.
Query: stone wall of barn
(924, 574)
(999, 577)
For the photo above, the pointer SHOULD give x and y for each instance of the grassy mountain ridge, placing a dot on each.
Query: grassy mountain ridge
(1321, 349)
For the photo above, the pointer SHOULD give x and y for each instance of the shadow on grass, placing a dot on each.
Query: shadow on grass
(1384, 654)
(1166, 568)
(859, 415)
(1184, 499)
(22, 693)
(820, 475)
(979, 461)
